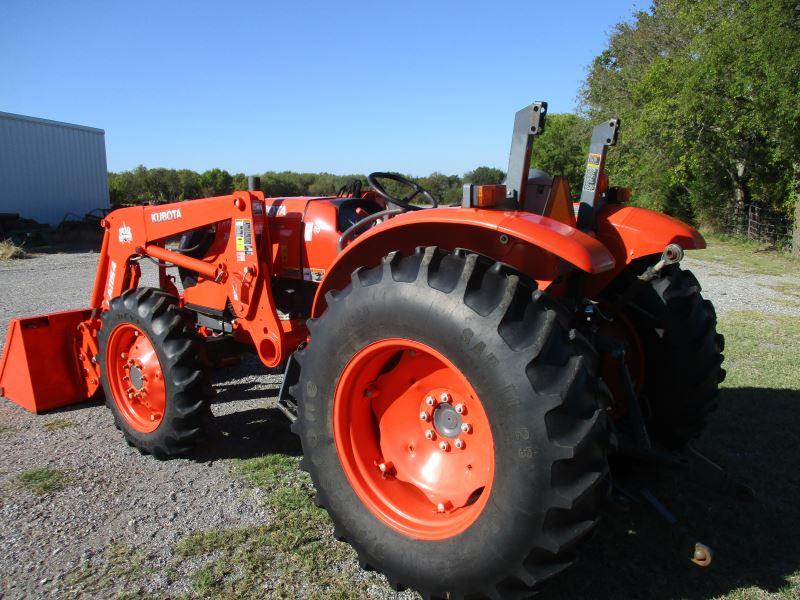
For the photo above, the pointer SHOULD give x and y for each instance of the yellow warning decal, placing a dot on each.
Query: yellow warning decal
(244, 238)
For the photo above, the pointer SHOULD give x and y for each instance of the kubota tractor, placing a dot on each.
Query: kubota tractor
(458, 376)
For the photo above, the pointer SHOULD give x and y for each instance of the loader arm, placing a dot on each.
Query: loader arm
(240, 270)
(51, 360)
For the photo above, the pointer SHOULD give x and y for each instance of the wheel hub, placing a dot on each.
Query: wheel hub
(135, 374)
(447, 421)
(413, 438)
(135, 377)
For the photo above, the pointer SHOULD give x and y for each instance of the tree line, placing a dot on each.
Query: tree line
(708, 92)
(142, 185)
(709, 96)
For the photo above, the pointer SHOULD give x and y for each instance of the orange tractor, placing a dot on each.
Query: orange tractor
(458, 376)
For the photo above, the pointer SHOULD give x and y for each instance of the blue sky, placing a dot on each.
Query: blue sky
(305, 86)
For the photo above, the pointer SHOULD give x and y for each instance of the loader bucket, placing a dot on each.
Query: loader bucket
(39, 368)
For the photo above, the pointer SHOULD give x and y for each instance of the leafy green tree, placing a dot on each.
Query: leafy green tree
(239, 181)
(561, 151)
(216, 182)
(485, 176)
(708, 95)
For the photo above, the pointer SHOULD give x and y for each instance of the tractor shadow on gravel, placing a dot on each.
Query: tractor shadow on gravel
(254, 431)
(755, 436)
(248, 434)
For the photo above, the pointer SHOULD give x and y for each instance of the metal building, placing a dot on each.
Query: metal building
(49, 169)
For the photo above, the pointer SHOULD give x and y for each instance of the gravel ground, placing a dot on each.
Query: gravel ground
(116, 495)
(729, 289)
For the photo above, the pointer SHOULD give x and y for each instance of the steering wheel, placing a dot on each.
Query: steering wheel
(416, 190)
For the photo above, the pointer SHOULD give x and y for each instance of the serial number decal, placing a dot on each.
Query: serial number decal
(313, 274)
(244, 238)
(592, 172)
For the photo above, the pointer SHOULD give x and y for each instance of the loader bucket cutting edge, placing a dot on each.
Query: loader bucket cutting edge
(39, 368)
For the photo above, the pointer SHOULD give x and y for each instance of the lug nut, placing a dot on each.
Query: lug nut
(460, 409)
(459, 444)
(445, 397)
(430, 401)
(443, 446)
(423, 416)
(429, 434)
(466, 427)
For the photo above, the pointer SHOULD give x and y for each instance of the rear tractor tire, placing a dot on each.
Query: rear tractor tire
(453, 425)
(155, 384)
(681, 355)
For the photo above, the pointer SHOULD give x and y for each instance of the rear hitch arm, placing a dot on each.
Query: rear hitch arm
(672, 254)
(687, 544)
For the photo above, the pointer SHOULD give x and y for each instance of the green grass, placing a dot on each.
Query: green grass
(7, 429)
(42, 481)
(293, 554)
(122, 565)
(761, 350)
(755, 435)
(55, 424)
(749, 257)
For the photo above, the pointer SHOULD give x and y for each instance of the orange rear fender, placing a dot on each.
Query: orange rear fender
(537, 246)
(630, 232)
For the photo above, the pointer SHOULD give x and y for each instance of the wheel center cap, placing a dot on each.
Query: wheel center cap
(447, 421)
(136, 377)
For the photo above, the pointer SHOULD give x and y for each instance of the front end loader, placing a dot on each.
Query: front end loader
(458, 376)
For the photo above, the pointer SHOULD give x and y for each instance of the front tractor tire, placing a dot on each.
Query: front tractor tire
(453, 425)
(155, 383)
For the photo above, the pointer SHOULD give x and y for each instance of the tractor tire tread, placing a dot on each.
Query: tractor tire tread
(189, 388)
(558, 365)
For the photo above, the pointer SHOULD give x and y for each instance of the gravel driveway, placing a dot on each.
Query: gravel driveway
(115, 494)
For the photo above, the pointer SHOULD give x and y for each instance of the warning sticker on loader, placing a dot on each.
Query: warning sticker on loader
(244, 238)
(592, 172)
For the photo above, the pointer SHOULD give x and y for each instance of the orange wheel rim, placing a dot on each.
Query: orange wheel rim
(413, 439)
(135, 377)
(622, 329)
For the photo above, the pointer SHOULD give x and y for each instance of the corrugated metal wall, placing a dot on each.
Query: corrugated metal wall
(49, 169)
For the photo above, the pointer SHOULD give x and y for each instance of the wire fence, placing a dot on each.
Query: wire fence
(763, 225)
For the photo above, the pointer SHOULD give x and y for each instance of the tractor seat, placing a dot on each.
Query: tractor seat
(540, 184)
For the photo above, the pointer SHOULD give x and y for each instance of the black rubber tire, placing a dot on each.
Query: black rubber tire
(189, 389)
(683, 355)
(538, 387)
